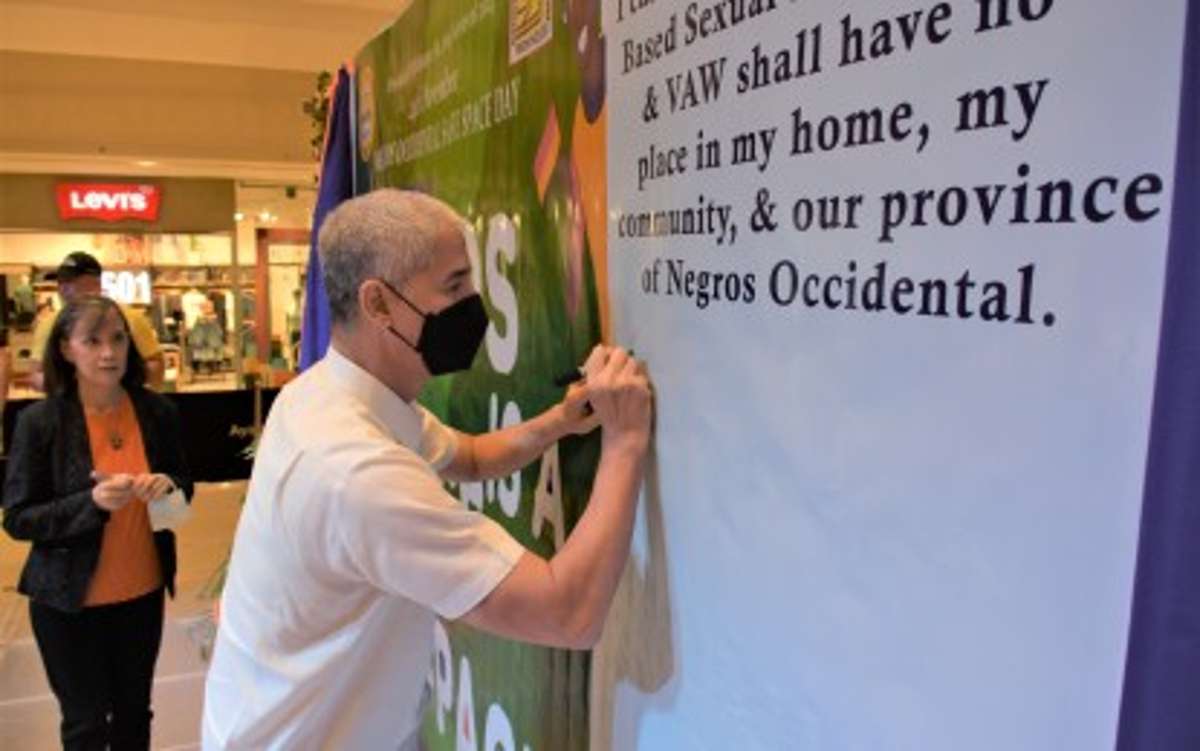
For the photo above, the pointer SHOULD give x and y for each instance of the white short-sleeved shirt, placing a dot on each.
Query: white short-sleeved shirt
(346, 548)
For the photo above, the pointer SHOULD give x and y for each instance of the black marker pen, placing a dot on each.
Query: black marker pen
(574, 375)
(571, 376)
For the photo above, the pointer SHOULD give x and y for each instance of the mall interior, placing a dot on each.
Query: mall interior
(211, 105)
(925, 476)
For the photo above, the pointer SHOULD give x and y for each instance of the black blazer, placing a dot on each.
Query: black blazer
(48, 493)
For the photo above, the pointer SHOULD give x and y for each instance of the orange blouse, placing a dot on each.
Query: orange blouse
(128, 567)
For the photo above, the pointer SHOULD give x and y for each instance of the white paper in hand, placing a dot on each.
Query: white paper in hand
(169, 511)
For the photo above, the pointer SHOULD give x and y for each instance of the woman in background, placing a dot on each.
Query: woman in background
(83, 464)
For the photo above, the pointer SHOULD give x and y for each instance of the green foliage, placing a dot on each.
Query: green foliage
(317, 109)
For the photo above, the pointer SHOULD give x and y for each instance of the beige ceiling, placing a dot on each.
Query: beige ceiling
(178, 87)
(297, 35)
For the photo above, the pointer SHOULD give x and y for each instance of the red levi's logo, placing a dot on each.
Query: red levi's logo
(108, 202)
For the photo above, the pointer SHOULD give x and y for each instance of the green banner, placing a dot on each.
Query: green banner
(498, 109)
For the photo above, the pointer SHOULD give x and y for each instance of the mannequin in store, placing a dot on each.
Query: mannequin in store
(206, 340)
(249, 340)
(216, 299)
(78, 276)
(193, 305)
(24, 304)
(295, 313)
(348, 522)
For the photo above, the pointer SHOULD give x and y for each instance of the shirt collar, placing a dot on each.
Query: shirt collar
(400, 417)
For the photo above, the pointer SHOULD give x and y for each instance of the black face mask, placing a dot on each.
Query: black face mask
(449, 338)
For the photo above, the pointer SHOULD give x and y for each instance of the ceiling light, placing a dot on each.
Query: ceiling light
(238, 216)
(146, 163)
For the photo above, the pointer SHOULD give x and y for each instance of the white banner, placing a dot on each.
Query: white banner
(896, 268)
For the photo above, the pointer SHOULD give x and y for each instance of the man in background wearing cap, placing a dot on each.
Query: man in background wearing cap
(79, 275)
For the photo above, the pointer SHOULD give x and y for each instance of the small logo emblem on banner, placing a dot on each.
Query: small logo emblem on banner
(529, 27)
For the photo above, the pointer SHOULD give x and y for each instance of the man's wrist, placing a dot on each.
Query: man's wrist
(557, 424)
(628, 444)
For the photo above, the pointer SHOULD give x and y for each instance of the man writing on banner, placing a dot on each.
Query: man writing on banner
(348, 544)
(78, 276)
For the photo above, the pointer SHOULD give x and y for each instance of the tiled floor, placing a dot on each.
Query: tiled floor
(28, 711)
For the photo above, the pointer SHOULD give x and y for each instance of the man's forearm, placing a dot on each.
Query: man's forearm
(588, 567)
(563, 602)
(504, 451)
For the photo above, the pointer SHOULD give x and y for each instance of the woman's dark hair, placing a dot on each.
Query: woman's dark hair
(59, 374)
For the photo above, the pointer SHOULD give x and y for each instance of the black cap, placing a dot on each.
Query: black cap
(75, 265)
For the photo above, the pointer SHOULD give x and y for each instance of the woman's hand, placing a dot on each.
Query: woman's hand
(112, 492)
(152, 486)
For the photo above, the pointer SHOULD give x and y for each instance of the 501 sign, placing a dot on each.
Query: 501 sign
(129, 287)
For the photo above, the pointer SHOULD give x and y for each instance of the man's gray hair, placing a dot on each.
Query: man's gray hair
(386, 234)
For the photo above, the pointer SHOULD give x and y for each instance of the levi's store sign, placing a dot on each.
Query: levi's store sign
(108, 202)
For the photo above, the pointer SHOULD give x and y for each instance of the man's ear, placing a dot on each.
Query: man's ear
(372, 303)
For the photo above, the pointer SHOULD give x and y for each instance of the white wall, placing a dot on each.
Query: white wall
(874, 530)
